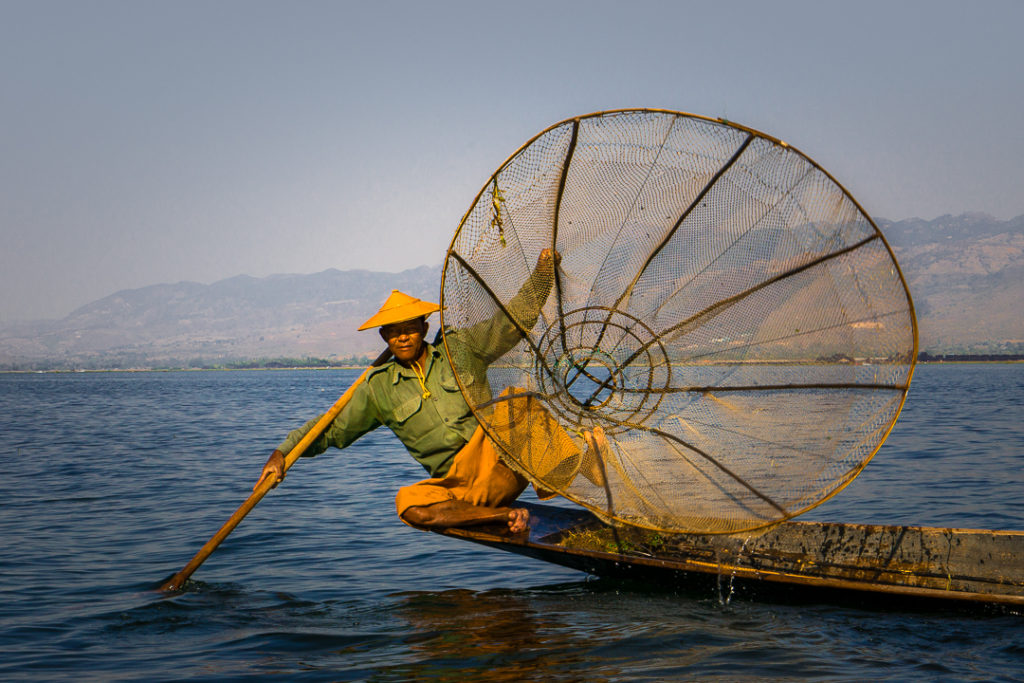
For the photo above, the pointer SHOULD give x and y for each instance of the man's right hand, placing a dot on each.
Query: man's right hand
(548, 257)
(274, 468)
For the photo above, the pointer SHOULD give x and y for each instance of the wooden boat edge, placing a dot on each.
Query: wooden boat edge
(549, 524)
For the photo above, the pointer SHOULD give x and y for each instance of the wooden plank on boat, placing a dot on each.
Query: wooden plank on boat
(917, 562)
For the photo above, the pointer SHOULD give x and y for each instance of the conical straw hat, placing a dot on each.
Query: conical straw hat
(398, 308)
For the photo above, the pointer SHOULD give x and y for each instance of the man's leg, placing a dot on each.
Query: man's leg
(452, 513)
(504, 486)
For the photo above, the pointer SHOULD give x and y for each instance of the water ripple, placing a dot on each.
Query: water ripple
(134, 471)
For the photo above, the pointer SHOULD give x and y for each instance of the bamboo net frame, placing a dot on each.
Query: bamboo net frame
(723, 342)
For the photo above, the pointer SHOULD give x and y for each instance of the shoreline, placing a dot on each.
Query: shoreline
(934, 360)
(100, 370)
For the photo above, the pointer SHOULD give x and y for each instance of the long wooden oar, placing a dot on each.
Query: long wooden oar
(268, 483)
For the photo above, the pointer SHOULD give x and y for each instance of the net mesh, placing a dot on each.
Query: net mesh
(679, 323)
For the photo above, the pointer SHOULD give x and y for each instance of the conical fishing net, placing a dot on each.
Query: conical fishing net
(720, 338)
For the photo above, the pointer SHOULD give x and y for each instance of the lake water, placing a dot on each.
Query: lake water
(112, 481)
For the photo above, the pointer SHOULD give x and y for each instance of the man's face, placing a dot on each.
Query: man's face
(405, 339)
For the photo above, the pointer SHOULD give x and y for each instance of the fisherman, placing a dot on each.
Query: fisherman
(415, 395)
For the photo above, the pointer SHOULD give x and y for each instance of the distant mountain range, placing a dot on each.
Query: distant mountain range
(966, 275)
(190, 325)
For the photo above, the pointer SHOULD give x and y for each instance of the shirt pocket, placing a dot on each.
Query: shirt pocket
(451, 406)
(448, 381)
(407, 408)
(449, 384)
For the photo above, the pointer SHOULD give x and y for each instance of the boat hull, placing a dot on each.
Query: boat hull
(796, 558)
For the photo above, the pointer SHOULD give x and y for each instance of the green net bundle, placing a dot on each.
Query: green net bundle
(719, 338)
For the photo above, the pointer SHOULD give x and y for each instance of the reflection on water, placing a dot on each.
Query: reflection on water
(500, 632)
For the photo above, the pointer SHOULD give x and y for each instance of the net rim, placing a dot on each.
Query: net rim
(850, 476)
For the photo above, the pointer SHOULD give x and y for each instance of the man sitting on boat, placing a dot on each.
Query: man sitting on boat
(417, 397)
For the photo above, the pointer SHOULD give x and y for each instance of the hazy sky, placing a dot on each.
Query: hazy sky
(146, 142)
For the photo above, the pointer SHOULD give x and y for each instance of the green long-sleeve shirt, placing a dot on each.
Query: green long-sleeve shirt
(432, 429)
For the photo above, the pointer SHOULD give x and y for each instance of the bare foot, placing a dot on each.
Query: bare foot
(518, 519)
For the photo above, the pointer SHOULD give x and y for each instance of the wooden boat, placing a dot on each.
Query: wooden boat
(864, 562)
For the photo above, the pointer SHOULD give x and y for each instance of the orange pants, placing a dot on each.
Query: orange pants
(471, 478)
